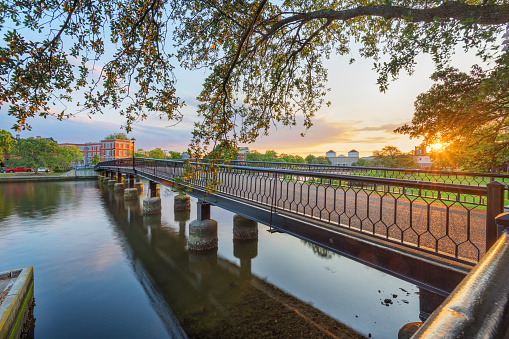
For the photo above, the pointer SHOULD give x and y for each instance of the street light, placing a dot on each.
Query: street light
(133, 140)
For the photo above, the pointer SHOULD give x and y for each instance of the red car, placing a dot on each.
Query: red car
(19, 169)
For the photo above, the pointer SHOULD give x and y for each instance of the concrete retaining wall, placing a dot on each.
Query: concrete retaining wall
(17, 307)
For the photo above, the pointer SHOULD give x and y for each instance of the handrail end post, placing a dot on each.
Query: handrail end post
(495, 206)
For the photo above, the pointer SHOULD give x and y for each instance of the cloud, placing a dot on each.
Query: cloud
(322, 132)
(375, 140)
(387, 128)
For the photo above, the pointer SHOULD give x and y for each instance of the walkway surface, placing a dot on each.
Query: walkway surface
(5, 286)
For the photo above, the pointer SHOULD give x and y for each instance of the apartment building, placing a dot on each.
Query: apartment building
(116, 149)
(104, 149)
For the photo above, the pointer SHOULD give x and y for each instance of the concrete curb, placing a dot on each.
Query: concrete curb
(14, 308)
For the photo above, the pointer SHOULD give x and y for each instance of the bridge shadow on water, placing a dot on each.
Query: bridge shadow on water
(204, 295)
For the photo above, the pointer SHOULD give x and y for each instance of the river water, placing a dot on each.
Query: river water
(102, 270)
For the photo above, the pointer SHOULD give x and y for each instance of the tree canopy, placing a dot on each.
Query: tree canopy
(118, 136)
(40, 152)
(265, 59)
(6, 143)
(468, 114)
(156, 153)
(392, 157)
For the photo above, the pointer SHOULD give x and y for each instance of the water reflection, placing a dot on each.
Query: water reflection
(96, 256)
(319, 251)
(182, 217)
(210, 296)
(35, 200)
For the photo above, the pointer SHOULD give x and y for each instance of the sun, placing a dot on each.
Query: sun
(437, 146)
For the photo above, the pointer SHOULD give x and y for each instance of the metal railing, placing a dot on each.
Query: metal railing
(454, 221)
(479, 306)
(442, 176)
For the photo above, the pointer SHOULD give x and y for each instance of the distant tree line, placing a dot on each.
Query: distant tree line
(389, 157)
(36, 153)
(157, 153)
(272, 156)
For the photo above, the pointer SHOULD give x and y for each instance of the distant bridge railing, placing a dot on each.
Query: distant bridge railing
(450, 220)
(442, 176)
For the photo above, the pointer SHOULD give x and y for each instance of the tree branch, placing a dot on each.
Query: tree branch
(487, 15)
(64, 26)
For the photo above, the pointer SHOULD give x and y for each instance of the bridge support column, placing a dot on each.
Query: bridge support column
(105, 177)
(112, 180)
(152, 204)
(130, 181)
(130, 193)
(203, 231)
(181, 202)
(119, 185)
(139, 186)
(244, 228)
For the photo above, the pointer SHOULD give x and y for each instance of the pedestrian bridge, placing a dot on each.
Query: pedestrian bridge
(429, 233)
(425, 232)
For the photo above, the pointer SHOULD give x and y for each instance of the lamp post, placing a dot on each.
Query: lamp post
(133, 140)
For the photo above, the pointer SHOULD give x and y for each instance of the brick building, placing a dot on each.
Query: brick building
(105, 149)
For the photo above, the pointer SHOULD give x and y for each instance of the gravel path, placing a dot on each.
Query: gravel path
(455, 230)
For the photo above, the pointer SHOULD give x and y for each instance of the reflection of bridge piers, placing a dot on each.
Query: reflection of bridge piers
(182, 217)
(210, 296)
(204, 237)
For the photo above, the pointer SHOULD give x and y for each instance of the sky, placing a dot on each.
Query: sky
(359, 117)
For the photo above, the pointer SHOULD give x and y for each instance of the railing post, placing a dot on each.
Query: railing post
(495, 206)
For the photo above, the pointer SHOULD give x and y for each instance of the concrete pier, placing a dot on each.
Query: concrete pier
(152, 204)
(130, 194)
(202, 235)
(244, 228)
(119, 185)
(182, 202)
(203, 231)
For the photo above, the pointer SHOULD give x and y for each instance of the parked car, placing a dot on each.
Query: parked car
(43, 169)
(19, 169)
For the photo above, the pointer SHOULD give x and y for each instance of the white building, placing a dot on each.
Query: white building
(421, 158)
(341, 160)
(242, 153)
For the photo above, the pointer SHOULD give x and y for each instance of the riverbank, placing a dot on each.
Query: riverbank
(40, 177)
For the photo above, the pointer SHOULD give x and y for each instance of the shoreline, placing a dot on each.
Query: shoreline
(16, 179)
